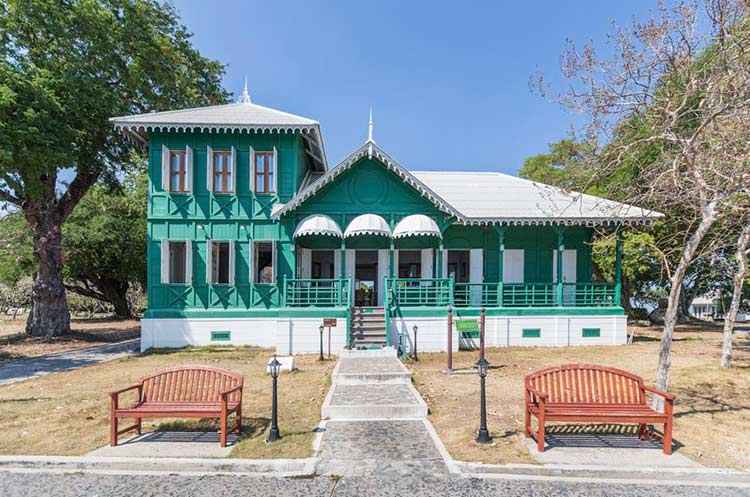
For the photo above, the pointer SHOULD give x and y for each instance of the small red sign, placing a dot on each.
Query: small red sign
(329, 322)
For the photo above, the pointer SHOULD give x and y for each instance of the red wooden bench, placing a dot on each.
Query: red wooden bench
(181, 392)
(598, 394)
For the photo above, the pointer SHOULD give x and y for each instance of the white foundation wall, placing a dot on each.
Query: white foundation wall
(302, 336)
(287, 335)
(503, 331)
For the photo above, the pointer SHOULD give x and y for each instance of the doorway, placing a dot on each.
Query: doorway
(366, 278)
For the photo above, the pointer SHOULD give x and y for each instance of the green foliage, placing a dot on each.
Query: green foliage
(641, 266)
(16, 257)
(105, 237)
(67, 67)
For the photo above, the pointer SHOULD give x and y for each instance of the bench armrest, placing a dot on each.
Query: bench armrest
(661, 393)
(541, 395)
(226, 393)
(116, 393)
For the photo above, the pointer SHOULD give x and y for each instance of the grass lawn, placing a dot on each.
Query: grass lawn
(68, 413)
(712, 411)
(15, 344)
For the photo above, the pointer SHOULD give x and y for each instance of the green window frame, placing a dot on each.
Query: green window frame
(591, 332)
(531, 333)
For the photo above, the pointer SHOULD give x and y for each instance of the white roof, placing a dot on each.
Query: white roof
(317, 224)
(416, 225)
(242, 116)
(495, 197)
(367, 224)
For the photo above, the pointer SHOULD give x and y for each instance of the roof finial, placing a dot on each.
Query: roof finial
(245, 98)
(369, 128)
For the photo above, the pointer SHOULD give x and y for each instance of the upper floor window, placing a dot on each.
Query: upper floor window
(177, 171)
(265, 170)
(223, 172)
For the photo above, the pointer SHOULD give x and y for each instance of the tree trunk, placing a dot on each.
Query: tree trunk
(709, 215)
(739, 279)
(49, 315)
(116, 294)
(626, 296)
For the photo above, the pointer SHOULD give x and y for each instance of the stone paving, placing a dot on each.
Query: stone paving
(373, 394)
(366, 365)
(399, 446)
(23, 369)
(129, 485)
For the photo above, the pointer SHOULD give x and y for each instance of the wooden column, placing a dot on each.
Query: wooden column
(343, 248)
(618, 267)
(501, 250)
(560, 251)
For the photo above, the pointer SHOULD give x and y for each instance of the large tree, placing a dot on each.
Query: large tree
(680, 83)
(66, 66)
(104, 242)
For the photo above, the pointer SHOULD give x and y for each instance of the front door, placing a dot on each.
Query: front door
(366, 278)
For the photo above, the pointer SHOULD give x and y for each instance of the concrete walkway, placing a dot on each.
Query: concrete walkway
(375, 421)
(23, 369)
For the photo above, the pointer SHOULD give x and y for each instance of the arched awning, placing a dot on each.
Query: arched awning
(416, 225)
(318, 224)
(368, 224)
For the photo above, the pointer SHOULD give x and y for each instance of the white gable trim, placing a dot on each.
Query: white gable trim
(367, 150)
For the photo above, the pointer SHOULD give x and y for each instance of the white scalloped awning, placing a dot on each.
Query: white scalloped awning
(367, 224)
(416, 225)
(318, 224)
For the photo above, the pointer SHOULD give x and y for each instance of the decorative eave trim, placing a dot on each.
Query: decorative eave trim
(370, 150)
(407, 234)
(551, 221)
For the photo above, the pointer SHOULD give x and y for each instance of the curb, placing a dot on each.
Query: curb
(156, 466)
(621, 474)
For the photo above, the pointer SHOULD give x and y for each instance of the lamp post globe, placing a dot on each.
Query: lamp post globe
(275, 368)
(483, 436)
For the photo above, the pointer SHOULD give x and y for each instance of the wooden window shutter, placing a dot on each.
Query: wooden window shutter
(165, 261)
(275, 172)
(252, 169)
(188, 262)
(209, 261)
(233, 170)
(165, 169)
(209, 169)
(188, 168)
(231, 263)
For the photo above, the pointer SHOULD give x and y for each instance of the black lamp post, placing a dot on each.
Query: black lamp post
(483, 437)
(415, 342)
(275, 367)
(321, 358)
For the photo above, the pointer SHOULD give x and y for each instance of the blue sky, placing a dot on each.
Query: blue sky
(448, 81)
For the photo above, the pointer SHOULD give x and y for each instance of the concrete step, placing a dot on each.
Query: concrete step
(368, 311)
(384, 352)
(363, 370)
(374, 401)
(373, 332)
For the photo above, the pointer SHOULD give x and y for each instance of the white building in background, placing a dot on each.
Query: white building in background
(708, 307)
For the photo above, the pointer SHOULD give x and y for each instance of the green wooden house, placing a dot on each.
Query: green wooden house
(254, 240)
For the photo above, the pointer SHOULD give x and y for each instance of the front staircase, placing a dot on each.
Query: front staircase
(368, 328)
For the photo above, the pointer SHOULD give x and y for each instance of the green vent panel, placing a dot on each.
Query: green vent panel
(221, 336)
(531, 333)
(591, 333)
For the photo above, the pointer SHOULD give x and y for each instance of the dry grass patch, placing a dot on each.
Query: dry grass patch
(711, 412)
(15, 344)
(68, 413)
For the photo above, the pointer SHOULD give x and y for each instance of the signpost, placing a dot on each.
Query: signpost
(329, 323)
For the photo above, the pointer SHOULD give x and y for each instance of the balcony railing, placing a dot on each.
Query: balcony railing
(433, 292)
(412, 292)
(317, 292)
